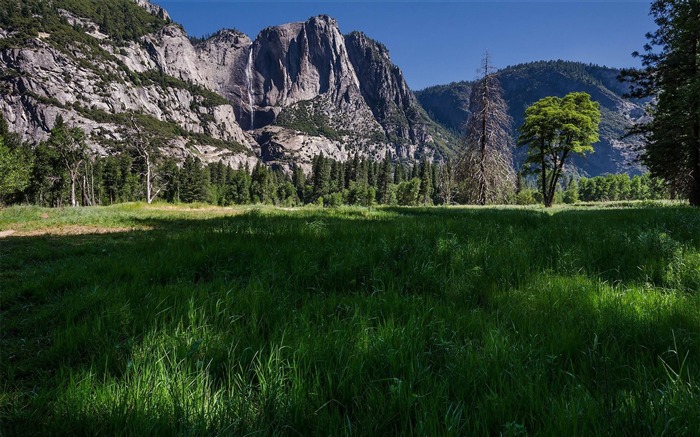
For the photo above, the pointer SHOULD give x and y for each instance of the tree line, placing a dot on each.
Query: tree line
(62, 172)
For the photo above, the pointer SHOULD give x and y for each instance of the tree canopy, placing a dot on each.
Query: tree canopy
(671, 75)
(556, 128)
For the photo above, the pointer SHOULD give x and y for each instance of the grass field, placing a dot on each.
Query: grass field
(512, 321)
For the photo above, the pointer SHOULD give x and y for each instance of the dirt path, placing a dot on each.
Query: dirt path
(64, 230)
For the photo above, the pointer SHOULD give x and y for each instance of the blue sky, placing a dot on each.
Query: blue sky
(437, 42)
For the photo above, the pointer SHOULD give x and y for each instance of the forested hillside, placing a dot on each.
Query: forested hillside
(526, 83)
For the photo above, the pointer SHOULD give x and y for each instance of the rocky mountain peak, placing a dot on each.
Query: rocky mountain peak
(298, 89)
(153, 9)
(232, 37)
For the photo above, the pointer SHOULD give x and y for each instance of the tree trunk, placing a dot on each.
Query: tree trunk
(694, 195)
(482, 158)
(545, 199)
(72, 190)
(148, 180)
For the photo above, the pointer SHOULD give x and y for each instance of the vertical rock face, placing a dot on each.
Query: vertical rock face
(224, 57)
(298, 74)
(297, 89)
(385, 90)
(300, 61)
(97, 87)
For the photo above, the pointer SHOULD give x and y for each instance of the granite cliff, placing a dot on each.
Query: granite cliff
(294, 91)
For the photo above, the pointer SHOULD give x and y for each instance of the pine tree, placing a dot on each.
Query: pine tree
(171, 177)
(415, 170)
(362, 172)
(384, 179)
(263, 188)
(424, 194)
(298, 180)
(399, 174)
(194, 184)
(672, 77)
(341, 178)
(486, 167)
(321, 177)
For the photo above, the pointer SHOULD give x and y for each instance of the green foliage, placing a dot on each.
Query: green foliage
(407, 192)
(571, 196)
(524, 84)
(621, 187)
(528, 197)
(670, 74)
(15, 171)
(16, 165)
(554, 129)
(305, 117)
(122, 20)
(193, 181)
(389, 321)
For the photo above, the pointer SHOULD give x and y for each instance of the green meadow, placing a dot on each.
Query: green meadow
(174, 320)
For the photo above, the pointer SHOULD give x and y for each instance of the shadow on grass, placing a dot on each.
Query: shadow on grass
(194, 290)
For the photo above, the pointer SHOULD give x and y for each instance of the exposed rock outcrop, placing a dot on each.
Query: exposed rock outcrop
(299, 89)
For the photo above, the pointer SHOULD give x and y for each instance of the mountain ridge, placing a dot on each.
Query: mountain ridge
(157, 70)
(292, 92)
(524, 84)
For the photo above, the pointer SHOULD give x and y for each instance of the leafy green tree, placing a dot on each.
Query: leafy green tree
(47, 179)
(15, 164)
(671, 74)
(638, 190)
(571, 193)
(554, 129)
(15, 171)
(407, 192)
(71, 147)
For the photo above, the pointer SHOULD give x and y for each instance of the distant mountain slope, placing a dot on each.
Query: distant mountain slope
(525, 84)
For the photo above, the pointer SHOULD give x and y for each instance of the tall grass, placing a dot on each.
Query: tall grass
(353, 321)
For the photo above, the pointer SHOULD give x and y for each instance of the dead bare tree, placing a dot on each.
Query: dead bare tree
(485, 169)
